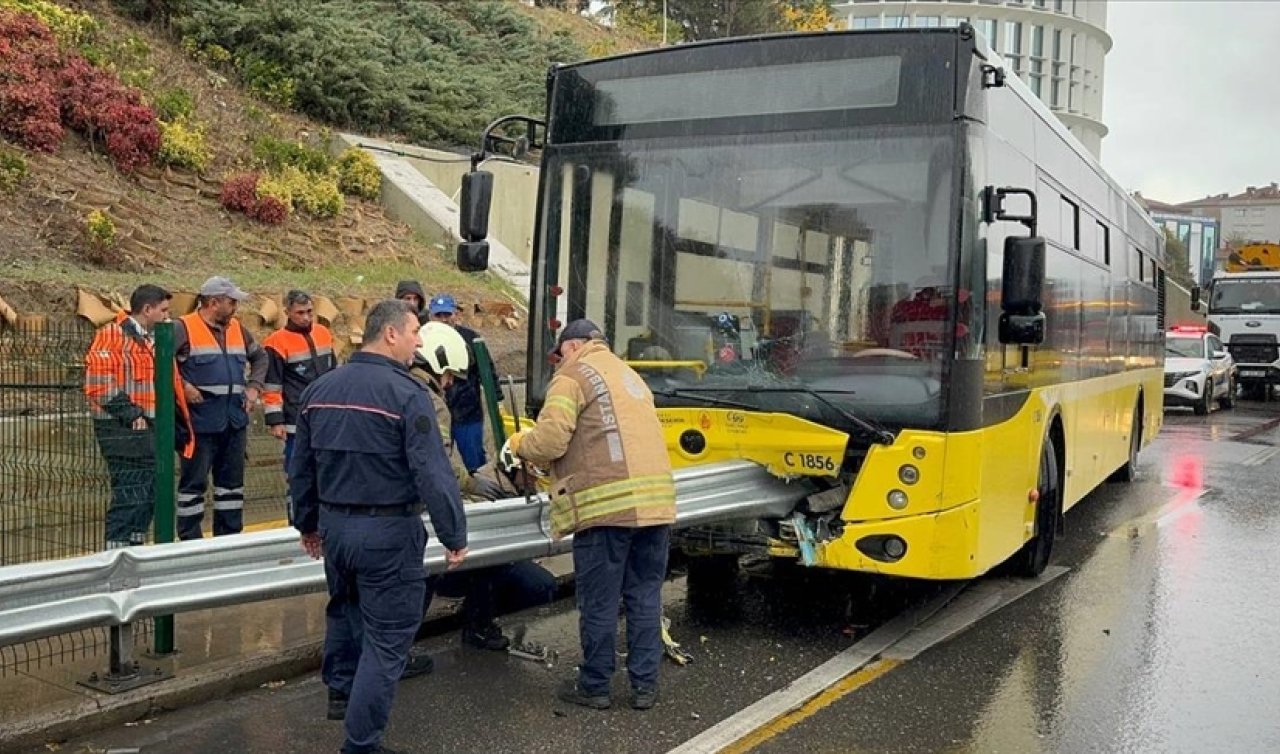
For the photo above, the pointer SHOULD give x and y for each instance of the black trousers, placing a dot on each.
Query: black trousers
(131, 470)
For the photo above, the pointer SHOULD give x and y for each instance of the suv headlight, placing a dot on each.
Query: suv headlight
(1180, 376)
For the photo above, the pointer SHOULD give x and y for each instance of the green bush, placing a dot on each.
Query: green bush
(435, 72)
(358, 174)
(174, 104)
(274, 155)
(13, 170)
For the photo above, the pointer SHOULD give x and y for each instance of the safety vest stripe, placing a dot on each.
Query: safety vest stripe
(206, 351)
(221, 389)
(564, 403)
(294, 358)
(563, 518)
(635, 484)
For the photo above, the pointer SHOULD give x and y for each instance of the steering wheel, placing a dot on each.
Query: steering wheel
(887, 352)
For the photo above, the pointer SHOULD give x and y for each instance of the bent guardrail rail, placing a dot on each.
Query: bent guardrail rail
(118, 587)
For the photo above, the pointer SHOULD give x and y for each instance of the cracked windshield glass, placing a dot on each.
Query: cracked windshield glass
(805, 275)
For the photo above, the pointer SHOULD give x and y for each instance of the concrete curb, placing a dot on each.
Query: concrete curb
(200, 685)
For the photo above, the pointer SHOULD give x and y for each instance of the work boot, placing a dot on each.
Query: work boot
(420, 663)
(569, 692)
(337, 705)
(485, 637)
(643, 699)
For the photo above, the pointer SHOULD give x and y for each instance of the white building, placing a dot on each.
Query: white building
(1058, 47)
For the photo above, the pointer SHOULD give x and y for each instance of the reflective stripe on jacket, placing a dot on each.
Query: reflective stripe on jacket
(599, 434)
(120, 374)
(217, 370)
(294, 360)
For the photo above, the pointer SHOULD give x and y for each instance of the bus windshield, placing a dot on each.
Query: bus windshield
(1259, 296)
(804, 273)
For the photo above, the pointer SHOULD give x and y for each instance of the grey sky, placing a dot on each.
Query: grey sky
(1192, 96)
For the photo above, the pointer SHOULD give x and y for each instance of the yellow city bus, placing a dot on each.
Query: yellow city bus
(871, 261)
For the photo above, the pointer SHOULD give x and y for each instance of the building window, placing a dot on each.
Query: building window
(1037, 85)
(869, 22)
(1072, 96)
(1037, 41)
(1013, 43)
(1072, 58)
(1057, 93)
(987, 28)
(927, 22)
(953, 22)
(895, 22)
(1041, 3)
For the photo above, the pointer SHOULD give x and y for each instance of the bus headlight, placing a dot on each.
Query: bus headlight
(908, 474)
(897, 499)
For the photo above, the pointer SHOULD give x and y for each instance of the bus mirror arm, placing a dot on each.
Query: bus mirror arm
(993, 207)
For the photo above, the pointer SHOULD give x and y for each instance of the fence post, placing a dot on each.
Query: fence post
(164, 434)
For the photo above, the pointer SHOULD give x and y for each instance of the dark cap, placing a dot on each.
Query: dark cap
(579, 329)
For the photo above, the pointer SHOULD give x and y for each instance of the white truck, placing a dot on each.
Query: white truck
(1244, 309)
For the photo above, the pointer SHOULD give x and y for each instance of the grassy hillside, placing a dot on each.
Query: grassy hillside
(73, 214)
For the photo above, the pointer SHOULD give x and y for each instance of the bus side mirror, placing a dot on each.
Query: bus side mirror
(473, 221)
(1022, 297)
(1195, 298)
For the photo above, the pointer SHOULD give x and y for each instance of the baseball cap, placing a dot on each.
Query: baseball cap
(220, 286)
(579, 329)
(443, 304)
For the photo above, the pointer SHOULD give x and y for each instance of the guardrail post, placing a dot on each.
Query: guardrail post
(164, 521)
(124, 672)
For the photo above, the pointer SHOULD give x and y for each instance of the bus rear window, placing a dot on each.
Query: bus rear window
(765, 90)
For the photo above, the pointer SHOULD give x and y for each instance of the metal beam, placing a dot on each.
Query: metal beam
(120, 586)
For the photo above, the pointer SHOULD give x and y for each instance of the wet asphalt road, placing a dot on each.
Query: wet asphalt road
(1162, 637)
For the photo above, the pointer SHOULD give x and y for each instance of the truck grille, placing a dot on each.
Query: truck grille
(1254, 349)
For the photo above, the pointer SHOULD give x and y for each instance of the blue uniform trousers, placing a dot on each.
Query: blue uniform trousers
(469, 440)
(223, 454)
(493, 591)
(373, 567)
(613, 563)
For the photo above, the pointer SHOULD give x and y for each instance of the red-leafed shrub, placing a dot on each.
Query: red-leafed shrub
(240, 192)
(97, 104)
(28, 102)
(42, 89)
(270, 210)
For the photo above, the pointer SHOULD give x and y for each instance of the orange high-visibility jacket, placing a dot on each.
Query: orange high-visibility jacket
(120, 364)
(294, 360)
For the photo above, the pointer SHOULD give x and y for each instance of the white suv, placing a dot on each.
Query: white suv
(1197, 370)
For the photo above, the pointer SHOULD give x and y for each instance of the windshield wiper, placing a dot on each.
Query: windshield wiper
(877, 432)
(697, 396)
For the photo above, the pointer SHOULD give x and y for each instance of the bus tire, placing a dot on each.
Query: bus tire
(1033, 558)
(1129, 471)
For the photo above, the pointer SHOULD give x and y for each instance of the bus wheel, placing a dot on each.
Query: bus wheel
(1032, 559)
(1129, 471)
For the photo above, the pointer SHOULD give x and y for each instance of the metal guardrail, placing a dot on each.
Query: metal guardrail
(119, 587)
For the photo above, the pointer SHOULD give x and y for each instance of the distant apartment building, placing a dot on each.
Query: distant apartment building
(1058, 47)
(1201, 235)
(1250, 216)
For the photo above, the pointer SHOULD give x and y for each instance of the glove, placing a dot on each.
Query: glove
(507, 459)
(485, 487)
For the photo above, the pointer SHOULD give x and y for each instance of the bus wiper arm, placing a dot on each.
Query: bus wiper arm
(697, 396)
(877, 432)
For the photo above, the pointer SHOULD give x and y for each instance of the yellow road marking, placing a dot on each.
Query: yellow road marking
(837, 691)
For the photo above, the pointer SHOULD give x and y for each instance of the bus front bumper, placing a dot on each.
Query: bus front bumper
(941, 545)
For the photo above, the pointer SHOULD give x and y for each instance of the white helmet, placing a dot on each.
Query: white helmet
(443, 349)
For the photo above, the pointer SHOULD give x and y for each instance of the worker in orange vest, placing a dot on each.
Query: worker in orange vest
(297, 354)
(213, 352)
(119, 382)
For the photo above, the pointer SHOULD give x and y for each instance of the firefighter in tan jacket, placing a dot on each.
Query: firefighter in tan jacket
(611, 487)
